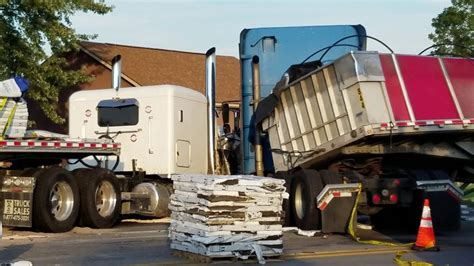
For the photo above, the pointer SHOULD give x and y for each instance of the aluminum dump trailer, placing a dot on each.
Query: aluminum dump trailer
(401, 125)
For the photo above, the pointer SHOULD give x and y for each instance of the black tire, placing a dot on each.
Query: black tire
(329, 177)
(306, 186)
(101, 203)
(286, 207)
(56, 201)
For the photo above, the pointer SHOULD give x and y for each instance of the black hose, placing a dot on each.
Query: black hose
(69, 162)
(447, 44)
(91, 166)
(352, 36)
(106, 136)
(327, 47)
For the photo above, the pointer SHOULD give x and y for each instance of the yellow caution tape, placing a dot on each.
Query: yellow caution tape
(399, 261)
(9, 121)
(398, 257)
(354, 235)
(3, 102)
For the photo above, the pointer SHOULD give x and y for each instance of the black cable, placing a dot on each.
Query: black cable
(98, 163)
(327, 47)
(91, 166)
(297, 154)
(69, 162)
(352, 36)
(107, 136)
(116, 164)
(446, 44)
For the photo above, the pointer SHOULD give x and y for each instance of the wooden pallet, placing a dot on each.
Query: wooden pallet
(198, 258)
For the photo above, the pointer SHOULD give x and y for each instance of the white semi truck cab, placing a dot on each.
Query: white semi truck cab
(162, 128)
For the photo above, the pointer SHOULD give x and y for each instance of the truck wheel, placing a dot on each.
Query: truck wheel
(286, 202)
(307, 184)
(56, 201)
(329, 177)
(101, 203)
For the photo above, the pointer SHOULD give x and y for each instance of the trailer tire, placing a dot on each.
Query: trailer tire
(306, 186)
(286, 206)
(56, 201)
(329, 177)
(101, 203)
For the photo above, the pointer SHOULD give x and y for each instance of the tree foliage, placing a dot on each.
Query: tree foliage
(455, 26)
(27, 27)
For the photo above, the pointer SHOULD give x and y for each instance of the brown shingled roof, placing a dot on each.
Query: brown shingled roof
(149, 66)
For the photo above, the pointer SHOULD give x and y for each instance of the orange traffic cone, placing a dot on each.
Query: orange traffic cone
(425, 239)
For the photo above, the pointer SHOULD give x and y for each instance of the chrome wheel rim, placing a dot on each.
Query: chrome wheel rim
(105, 198)
(62, 200)
(299, 201)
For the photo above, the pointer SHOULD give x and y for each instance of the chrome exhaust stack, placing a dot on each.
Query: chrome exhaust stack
(256, 99)
(116, 72)
(211, 107)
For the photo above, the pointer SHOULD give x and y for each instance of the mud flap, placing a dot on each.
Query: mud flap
(16, 200)
(336, 203)
(445, 198)
(439, 186)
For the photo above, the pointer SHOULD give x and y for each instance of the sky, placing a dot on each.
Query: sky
(197, 25)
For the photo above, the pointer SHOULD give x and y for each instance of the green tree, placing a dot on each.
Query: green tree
(27, 27)
(455, 25)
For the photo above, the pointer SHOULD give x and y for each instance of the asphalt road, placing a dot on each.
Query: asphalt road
(147, 243)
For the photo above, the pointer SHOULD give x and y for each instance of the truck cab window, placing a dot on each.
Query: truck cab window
(117, 112)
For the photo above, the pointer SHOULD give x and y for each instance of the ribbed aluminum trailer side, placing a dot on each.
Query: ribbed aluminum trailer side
(401, 125)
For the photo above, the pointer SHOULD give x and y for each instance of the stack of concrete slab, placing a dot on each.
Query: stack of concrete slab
(13, 110)
(227, 216)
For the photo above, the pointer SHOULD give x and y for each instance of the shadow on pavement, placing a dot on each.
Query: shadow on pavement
(11, 253)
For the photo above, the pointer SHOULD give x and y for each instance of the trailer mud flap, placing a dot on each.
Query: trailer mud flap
(336, 203)
(441, 186)
(16, 200)
(445, 202)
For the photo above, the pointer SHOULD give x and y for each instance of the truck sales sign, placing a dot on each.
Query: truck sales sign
(16, 198)
(16, 211)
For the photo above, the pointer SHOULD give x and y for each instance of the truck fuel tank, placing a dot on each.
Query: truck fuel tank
(150, 199)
